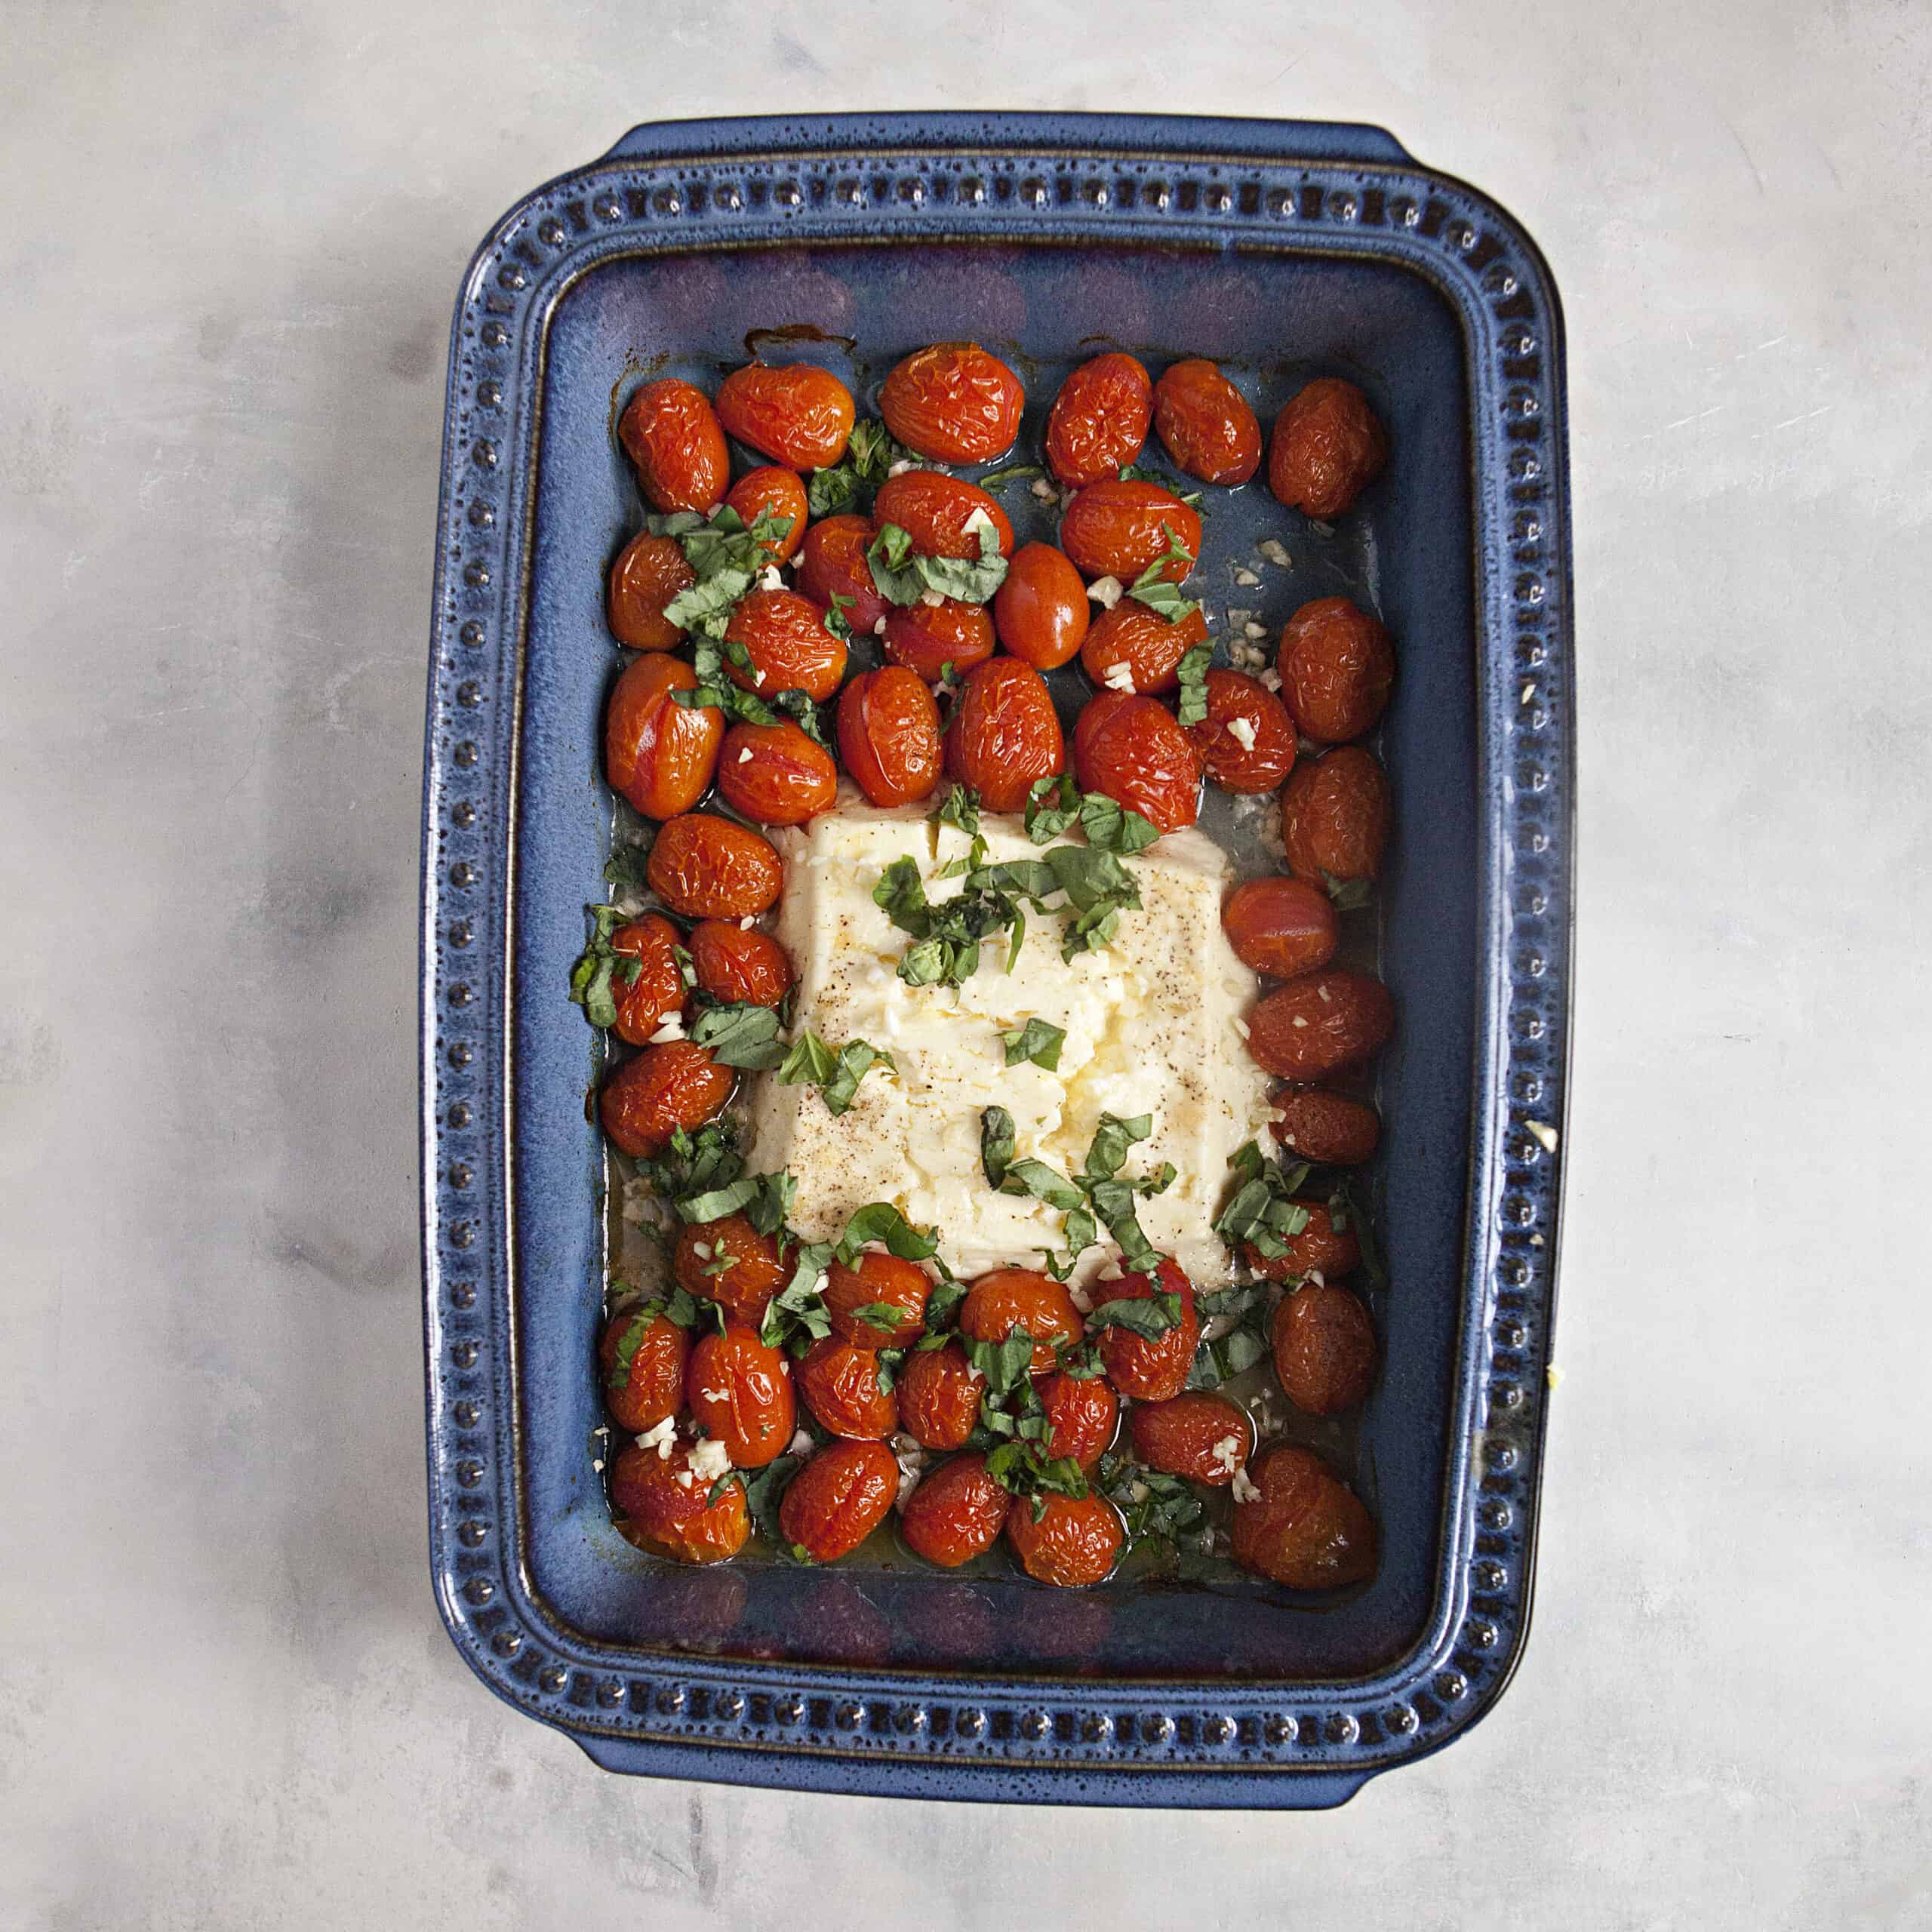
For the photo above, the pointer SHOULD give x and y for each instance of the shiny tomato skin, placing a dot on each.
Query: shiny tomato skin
(659, 987)
(780, 492)
(1324, 1349)
(1142, 759)
(659, 754)
(934, 510)
(1317, 1022)
(839, 1384)
(674, 1084)
(672, 436)
(1098, 423)
(1144, 642)
(664, 1504)
(924, 638)
(711, 868)
(1004, 735)
(1093, 717)
(1041, 611)
(796, 414)
(737, 966)
(648, 573)
(1330, 1128)
(1009, 1298)
(832, 564)
(1117, 529)
(776, 774)
(652, 1387)
(838, 1499)
(1235, 766)
(729, 1261)
(939, 1391)
(790, 649)
(1198, 1434)
(877, 1281)
(1306, 1529)
(956, 1513)
(1075, 1542)
(1328, 446)
(1335, 815)
(954, 402)
(1205, 424)
(739, 1392)
(1151, 1369)
(1319, 1248)
(1281, 927)
(1336, 664)
(889, 736)
(1082, 1414)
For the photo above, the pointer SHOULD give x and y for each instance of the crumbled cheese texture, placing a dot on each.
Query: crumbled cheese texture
(1149, 1026)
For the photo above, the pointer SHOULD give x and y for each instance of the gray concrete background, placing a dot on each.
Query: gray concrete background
(232, 235)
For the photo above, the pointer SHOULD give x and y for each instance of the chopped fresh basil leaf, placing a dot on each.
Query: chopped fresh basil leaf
(1107, 1152)
(1140, 472)
(628, 1342)
(1113, 828)
(626, 865)
(740, 1035)
(695, 1162)
(902, 577)
(1004, 1364)
(1193, 673)
(1052, 805)
(961, 808)
(997, 1139)
(880, 1221)
(599, 966)
(1151, 586)
(1025, 1470)
(835, 1072)
(765, 1489)
(796, 1317)
(1009, 473)
(1038, 1040)
(1260, 1210)
(1348, 895)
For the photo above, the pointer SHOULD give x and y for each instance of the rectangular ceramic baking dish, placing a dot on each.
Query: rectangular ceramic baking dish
(1278, 246)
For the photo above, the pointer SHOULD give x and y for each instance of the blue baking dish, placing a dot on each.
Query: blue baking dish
(1284, 248)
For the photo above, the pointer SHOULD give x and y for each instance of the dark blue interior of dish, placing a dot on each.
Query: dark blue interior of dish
(1406, 552)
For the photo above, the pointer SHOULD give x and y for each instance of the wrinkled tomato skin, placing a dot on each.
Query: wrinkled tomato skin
(790, 649)
(796, 415)
(654, 1386)
(1307, 1529)
(839, 1385)
(1181, 1437)
(672, 436)
(1336, 664)
(832, 564)
(710, 868)
(956, 1513)
(1330, 1128)
(1093, 717)
(1281, 927)
(675, 1084)
(648, 573)
(1098, 423)
(1143, 641)
(1009, 1298)
(1152, 1369)
(877, 1281)
(1075, 1542)
(739, 1392)
(1320, 1247)
(780, 492)
(1205, 424)
(1317, 1022)
(1082, 1414)
(1117, 529)
(934, 510)
(1324, 1348)
(738, 967)
(659, 987)
(954, 402)
(1041, 610)
(838, 1499)
(1233, 766)
(788, 778)
(729, 1261)
(924, 639)
(1328, 446)
(889, 736)
(1335, 815)
(663, 1503)
(659, 754)
(939, 1392)
(1004, 735)
(1142, 759)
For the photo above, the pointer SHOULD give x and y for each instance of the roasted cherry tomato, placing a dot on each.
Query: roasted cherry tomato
(1281, 927)
(934, 510)
(665, 1506)
(1093, 717)
(776, 774)
(1117, 529)
(1142, 759)
(832, 566)
(738, 966)
(840, 1385)
(939, 1392)
(1197, 1434)
(838, 1499)
(658, 754)
(649, 572)
(1337, 665)
(784, 636)
(659, 988)
(1082, 1414)
(729, 1261)
(1004, 736)
(1316, 1023)
(1012, 1298)
(879, 1302)
(780, 492)
(1324, 1348)
(672, 435)
(673, 1085)
(1328, 1127)
(1150, 1369)
(888, 736)
(954, 402)
(1335, 814)
(1247, 741)
(1205, 424)
(1099, 419)
(956, 1513)
(1319, 1248)
(641, 1358)
(1067, 1540)
(1131, 648)
(924, 638)
(1327, 447)
(1041, 611)
(740, 1392)
(1306, 1529)
(710, 868)
(796, 415)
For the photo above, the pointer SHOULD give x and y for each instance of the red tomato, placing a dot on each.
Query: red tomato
(832, 564)
(954, 402)
(784, 636)
(1281, 927)
(934, 510)
(1247, 741)
(1099, 419)
(672, 435)
(1316, 1023)
(640, 1362)
(710, 868)
(776, 774)
(1142, 759)
(649, 572)
(1197, 1434)
(667, 1508)
(729, 1261)
(1337, 665)
(1206, 423)
(658, 754)
(1040, 611)
(956, 1513)
(924, 639)
(1082, 1413)
(780, 492)
(659, 990)
(662, 1089)
(939, 1392)
(840, 1385)
(839, 1498)
(891, 1294)
(1324, 1348)
(1004, 736)
(1070, 1542)
(1327, 447)
(1133, 648)
(889, 736)
(796, 415)
(1117, 529)
(1320, 1247)
(1319, 1125)
(737, 966)
(1013, 1298)
(1306, 1529)
(1335, 815)
(1151, 1369)
(740, 1392)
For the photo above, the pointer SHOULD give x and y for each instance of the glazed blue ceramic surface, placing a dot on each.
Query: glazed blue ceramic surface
(1284, 250)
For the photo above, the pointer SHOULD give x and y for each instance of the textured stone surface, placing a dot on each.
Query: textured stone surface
(235, 234)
